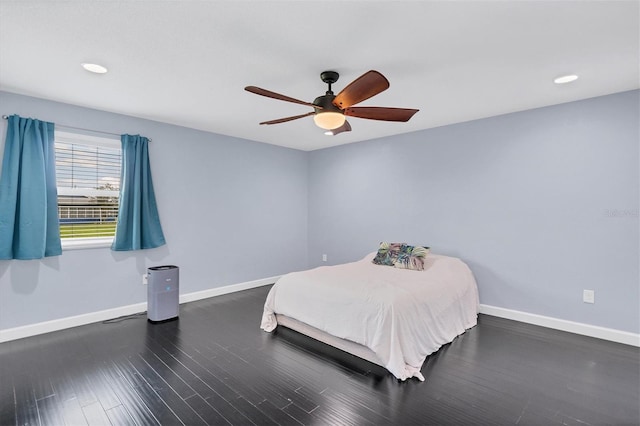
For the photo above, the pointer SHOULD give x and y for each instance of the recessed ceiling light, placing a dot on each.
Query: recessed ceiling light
(565, 79)
(95, 68)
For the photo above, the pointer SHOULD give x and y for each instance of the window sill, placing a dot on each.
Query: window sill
(85, 243)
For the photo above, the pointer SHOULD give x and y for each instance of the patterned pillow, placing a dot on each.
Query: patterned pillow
(387, 253)
(411, 257)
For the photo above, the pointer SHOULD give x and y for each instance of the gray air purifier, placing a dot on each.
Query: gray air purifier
(162, 293)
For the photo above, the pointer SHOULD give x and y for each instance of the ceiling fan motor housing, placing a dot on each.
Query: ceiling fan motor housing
(325, 103)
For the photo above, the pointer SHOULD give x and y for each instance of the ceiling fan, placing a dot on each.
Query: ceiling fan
(330, 111)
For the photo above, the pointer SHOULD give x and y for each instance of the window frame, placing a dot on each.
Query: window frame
(87, 139)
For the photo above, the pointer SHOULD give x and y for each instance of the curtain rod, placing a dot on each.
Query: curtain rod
(6, 117)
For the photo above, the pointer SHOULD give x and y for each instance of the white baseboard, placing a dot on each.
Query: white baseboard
(75, 321)
(218, 291)
(68, 322)
(549, 322)
(610, 334)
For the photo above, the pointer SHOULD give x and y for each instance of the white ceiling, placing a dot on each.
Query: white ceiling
(187, 62)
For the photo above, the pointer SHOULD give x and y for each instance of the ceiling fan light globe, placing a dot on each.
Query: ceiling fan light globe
(329, 120)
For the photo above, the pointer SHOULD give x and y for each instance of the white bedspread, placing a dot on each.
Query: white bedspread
(401, 315)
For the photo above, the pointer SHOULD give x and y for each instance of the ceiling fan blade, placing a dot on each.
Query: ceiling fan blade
(346, 127)
(381, 113)
(367, 85)
(274, 95)
(284, 120)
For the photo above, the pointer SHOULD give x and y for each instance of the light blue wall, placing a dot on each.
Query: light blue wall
(541, 204)
(232, 211)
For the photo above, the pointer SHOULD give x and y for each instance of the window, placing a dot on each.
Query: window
(88, 181)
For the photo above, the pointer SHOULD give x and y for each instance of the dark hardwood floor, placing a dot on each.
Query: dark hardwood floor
(215, 366)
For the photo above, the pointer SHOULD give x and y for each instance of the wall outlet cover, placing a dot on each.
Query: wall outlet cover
(588, 296)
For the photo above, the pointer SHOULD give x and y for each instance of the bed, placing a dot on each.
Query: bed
(389, 316)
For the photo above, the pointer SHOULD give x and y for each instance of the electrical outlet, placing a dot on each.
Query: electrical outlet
(588, 296)
(145, 279)
(324, 257)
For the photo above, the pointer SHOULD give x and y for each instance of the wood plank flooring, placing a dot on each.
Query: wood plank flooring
(215, 366)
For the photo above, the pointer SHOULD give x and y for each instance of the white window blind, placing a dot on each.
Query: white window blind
(88, 181)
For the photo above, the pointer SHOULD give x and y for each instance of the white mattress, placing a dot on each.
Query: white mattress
(402, 316)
